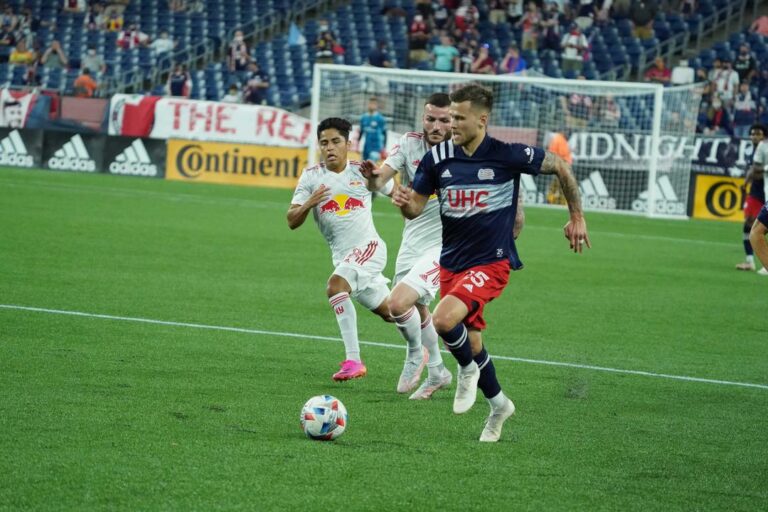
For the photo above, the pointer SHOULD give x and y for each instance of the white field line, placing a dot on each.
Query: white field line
(375, 344)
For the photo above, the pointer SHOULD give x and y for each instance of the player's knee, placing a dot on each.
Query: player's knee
(336, 285)
(398, 305)
(443, 323)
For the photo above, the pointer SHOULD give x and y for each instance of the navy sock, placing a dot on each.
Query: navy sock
(747, 243)
(488, 382)
(457, 341)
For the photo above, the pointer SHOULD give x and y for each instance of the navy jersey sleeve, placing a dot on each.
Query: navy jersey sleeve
(425, 181)
(524, 158)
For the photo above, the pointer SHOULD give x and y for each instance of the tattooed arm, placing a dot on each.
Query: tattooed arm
(576, 228)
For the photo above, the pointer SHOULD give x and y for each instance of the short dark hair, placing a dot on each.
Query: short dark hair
(341, 125)
(759, 126)
(439, 99)
(477, 95)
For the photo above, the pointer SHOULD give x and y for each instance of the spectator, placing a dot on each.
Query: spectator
(608, 112)
(95, 19)
(93, 61)
(74, 6)
(179, 82)
(114, 21)
(585, 14)
(446, 55)
(744, 111)
(424, 7)
(682, 73)
(577, 109)
(574, 45)
(515, 11)
(85, 86)
(761, 82)
(232, 96)
(512, 62)
(760, 26)
(603, 12)
(325, 47)
(550, 28)
(379, 56)
(7, 37)
(530, 25)
(256, 85)
(745, 64)
(498, 11)
(8, 19)
(642, 14)
(468, 50)
(688, 7)
(659, 73)
(54, 57)
(440, 16)
(418, 37)
(132, 38)
(162, 44)
(238, 56)
(22, 55)
(725, 81)
(483, 63)
(466, 15)
(718, 120)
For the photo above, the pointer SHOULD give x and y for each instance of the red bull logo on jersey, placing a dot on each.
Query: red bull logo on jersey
(341, 205)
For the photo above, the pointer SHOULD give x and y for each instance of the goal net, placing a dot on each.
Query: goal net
(630, 144)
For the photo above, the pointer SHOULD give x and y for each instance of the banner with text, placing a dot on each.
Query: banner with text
(234, 164)
(718, 198)
(177, 118)
(21, 148)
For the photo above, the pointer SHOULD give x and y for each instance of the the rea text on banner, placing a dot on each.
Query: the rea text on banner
(179, 118)
(718, 198)
(234, 164)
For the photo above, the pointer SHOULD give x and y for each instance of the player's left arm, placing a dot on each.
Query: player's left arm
(377, 177)
(576, 228)
(519, 218)
(758, 241)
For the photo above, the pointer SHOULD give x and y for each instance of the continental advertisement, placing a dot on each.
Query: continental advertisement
(718, 198)
(234, 164)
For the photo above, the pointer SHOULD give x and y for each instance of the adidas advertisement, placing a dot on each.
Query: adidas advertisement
(127, 156)
(665, 199)
(73, 152)
(21, 148)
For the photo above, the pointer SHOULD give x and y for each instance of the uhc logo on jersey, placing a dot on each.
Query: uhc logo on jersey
(463, 199)
(341, 205)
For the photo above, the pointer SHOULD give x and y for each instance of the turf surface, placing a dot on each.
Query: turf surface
(108, 413)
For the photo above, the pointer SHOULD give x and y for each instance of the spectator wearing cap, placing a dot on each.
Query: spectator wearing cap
(745, 64)
(446, 55)
(530, 25)
(513, 63)
(574, 45)
(659, 73)
(483, 63)
(379, 56)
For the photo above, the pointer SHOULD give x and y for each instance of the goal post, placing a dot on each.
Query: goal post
(630, 143)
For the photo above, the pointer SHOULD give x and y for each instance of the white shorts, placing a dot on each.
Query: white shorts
(362, 268)
(420, 271)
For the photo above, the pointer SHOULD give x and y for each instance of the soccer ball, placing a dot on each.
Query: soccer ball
(323, 418)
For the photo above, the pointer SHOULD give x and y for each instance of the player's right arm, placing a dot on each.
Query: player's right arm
(376, 177)
(297, 213)
(576, 228)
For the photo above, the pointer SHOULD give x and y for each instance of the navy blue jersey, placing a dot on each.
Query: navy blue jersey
(757, 187)
(478, 198)
(763, 215)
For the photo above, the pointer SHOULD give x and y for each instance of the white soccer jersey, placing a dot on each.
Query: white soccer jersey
(760, 157)
(345, 220)
(425, 231)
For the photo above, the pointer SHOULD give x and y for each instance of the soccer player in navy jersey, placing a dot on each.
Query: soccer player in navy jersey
(477, 179)
(757, 235)
(754, 186)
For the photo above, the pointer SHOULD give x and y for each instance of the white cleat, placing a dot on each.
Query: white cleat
(749, 267)
(495, 422)
(762, 272)
(466, 388)
(411, 373)
(429, 386)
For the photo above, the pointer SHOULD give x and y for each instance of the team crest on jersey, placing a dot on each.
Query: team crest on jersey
(485, 174)
(341, 205)
(529, 153)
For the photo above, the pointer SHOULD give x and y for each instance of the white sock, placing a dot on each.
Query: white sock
(498, 401)
(347, 319)
(750, 259)
(429, 339)
(409, 326)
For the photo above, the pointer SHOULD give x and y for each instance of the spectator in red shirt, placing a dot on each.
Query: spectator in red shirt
(483, 63)
(530, 23)
(418, 37)
(659, 73)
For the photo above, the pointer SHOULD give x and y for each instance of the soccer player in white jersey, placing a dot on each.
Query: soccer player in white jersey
(336, 193)
(417, 272)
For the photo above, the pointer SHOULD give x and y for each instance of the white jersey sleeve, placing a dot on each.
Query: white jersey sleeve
(761, 154)
(304, 188)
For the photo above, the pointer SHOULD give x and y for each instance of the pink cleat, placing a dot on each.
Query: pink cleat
(350, 370)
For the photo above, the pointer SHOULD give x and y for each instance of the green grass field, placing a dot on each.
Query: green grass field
(114, 413)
